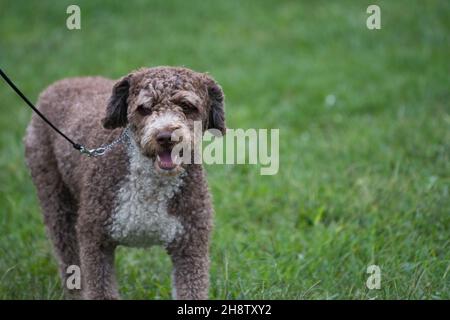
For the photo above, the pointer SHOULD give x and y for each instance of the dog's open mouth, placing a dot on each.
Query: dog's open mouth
(165, 161)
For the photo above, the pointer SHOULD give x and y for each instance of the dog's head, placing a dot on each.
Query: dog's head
(160, 105)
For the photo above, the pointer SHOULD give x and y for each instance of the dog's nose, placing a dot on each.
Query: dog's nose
(164, 138)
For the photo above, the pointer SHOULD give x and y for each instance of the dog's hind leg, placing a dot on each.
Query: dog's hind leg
(58, 206)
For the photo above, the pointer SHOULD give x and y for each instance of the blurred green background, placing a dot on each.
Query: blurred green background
(364, 140)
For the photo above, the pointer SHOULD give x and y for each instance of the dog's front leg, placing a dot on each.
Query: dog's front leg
(190, 275)
(98, 280)
(97, 273)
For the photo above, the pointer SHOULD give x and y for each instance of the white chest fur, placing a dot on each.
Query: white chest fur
(140, 218)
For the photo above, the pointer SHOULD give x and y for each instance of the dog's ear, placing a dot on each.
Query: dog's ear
(116, 110)
(216, 117)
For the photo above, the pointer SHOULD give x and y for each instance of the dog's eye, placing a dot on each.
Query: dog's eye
(143, 110)
(187, 106)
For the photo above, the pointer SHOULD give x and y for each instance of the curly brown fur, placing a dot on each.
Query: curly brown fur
(133, 195)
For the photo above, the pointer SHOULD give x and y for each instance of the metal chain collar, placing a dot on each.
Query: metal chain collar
(100, 151)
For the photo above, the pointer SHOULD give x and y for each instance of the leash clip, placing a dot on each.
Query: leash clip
(93, 152)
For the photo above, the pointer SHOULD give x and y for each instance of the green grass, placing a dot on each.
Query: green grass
(363, 181)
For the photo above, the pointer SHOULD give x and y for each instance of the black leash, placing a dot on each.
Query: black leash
(24, 98)
(92, 152)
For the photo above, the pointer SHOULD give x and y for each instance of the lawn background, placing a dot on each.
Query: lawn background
(364, 174)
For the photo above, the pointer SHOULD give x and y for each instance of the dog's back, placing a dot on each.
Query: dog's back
(62, 103)
(61, 100)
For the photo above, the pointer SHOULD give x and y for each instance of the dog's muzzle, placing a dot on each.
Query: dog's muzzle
(164, 158)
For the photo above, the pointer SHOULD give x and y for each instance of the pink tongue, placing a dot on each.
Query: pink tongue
(165, 160)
